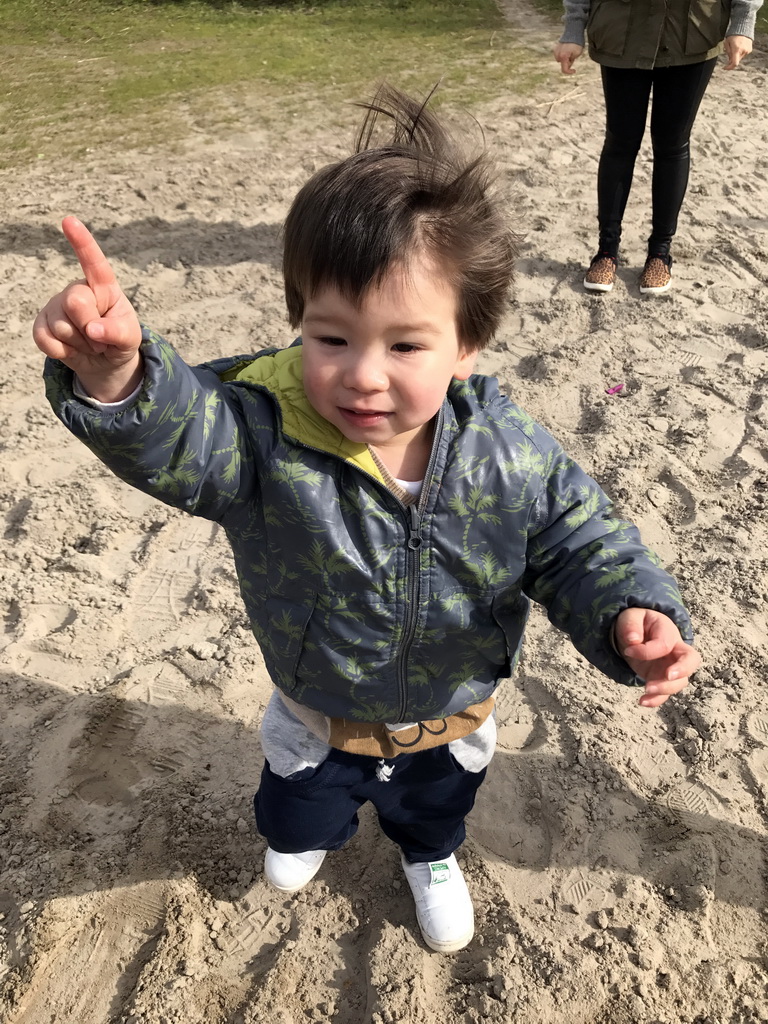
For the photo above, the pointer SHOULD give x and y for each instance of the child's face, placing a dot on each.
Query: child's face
(380, 373)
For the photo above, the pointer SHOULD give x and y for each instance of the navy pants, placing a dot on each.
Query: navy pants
(677, 93)
(421, 799)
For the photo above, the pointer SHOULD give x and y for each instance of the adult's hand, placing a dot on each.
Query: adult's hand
(91, 326)
(565, 54)
(736, 47)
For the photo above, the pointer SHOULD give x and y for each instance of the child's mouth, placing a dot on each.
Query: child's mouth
(363, 417)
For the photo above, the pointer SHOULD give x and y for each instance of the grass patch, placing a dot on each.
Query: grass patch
(76, 75)
(553, 7)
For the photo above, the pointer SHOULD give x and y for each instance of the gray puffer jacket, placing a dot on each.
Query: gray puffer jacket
(366, 608)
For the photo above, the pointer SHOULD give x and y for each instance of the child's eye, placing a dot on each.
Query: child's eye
(330, 340)
(405, 346)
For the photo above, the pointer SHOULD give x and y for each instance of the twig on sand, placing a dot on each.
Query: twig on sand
(560, 99)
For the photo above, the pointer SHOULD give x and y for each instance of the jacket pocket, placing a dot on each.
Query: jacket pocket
(288, 623)
(607, 26)
(707, 25)
(510, 617)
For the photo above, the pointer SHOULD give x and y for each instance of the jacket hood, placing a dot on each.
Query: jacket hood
(279, 371)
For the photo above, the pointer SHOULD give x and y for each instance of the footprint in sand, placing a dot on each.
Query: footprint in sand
(654, 761)
(36, 640)
(161, 592)
(92, 957)
(521, 833)
(692, 805)
(158, 684)
(757, 765)
(289, 981)
(757, 727)
(583, 894)
(244, 934)
(42, 470)
(119, 758)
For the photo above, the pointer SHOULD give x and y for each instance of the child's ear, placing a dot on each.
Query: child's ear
(465, 364)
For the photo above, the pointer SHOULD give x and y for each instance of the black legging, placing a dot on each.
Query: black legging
(677, 93)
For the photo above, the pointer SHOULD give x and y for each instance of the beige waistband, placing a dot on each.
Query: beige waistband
(377, 740)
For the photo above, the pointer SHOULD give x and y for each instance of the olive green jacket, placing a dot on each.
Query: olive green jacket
(656, 33)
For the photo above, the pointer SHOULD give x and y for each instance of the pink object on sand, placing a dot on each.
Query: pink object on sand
(614, 390)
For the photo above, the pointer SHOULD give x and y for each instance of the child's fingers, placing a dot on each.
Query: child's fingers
(96, 268)
(630, 627)
(656, 693)
(653, 702)
(69, 316)
(121, 332)
(79, 305)
(47, 341)
(58, 337)
(649, 650)
(119, 329)
(684, 660)
(42, 329)
(79, 340)
(679, 663)
(667, 686)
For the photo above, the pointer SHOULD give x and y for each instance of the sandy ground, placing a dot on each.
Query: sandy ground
(617, 855)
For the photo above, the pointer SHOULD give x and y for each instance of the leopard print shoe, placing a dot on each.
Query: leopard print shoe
(656, 277)
(601, 274)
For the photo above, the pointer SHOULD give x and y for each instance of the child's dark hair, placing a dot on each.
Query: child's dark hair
(354, 220)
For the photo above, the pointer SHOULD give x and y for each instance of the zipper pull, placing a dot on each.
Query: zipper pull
(415, 540)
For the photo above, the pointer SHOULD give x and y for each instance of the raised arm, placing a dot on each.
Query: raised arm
(182, 436)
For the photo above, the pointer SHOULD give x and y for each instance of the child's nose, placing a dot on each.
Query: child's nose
(366, 375)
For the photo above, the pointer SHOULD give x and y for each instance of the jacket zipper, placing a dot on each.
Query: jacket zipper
(412, 515)
(413, 592)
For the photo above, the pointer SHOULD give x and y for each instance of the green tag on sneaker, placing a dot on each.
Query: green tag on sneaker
(439, 872)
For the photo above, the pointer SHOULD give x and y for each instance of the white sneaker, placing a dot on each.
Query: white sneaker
(443, 904)
(290, 872)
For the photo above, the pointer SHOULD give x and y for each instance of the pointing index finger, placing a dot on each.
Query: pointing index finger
(96, 269)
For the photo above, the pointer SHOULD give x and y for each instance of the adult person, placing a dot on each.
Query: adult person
(668, 48)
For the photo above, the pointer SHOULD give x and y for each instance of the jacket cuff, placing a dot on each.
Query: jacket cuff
(71, 402)
(573, 30)
(742, 25)
(79, 392)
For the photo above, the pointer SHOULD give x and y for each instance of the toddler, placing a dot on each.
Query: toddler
(390, 513)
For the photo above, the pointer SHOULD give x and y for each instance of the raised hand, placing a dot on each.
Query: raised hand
(91, 326)
(651, 645)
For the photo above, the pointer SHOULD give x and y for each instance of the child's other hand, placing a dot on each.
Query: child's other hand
(651, 645)
(91, 326)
